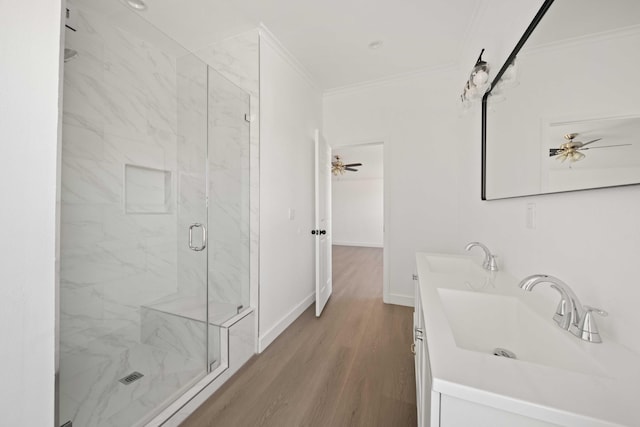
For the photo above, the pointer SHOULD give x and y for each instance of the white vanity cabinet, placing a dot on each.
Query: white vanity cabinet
(456, 412)
(422, 367)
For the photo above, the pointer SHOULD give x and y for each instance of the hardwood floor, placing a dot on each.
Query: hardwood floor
(350, 367)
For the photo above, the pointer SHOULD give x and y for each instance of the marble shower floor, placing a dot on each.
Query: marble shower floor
(91, 395)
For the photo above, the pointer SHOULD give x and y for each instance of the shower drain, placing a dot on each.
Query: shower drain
(503, 352)
(133, 376)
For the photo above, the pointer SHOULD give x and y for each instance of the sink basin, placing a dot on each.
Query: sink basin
(444, 264)
(482, 322)
(467, 314)
(462, 271)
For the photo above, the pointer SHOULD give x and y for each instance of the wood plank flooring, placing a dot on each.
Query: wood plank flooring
(350, 367)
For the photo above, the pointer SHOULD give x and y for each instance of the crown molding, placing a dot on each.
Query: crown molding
(469, 46)
(267, 36)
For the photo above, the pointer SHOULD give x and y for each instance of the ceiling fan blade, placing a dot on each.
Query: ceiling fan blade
(555, 151)
(351, 169)
(353, 164)
(606, 146)
(590, 142)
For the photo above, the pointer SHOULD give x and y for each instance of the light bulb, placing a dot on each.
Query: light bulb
(480, 78)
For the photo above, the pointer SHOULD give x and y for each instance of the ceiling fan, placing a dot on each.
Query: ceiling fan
(572, 149)
(338, 167)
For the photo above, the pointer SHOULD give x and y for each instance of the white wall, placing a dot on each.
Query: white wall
(419, 119)
(291, 109)
(415, 118)
(589, 239)
(357, 212)
(29, 108)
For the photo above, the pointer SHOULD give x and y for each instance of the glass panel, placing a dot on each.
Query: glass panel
(192, 193)
(133, 330)
(228, 145)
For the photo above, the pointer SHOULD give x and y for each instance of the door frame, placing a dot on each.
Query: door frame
(386, 285)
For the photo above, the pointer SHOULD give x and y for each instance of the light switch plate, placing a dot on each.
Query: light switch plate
(531, 216)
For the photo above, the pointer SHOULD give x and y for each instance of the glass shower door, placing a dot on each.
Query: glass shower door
(228, 199)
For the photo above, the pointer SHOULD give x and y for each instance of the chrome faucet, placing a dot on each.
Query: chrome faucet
(570, 315)
(489, 262)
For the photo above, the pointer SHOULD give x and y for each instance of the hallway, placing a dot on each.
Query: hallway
(350, 367)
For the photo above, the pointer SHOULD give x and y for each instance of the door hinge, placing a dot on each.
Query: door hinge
(248, 118)
(414, 277)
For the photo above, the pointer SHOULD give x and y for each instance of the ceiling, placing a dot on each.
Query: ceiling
(330, 38)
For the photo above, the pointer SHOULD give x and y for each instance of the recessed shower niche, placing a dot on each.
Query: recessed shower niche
(147, 190)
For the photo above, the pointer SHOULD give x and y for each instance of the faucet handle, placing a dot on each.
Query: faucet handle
(492, 265)
(563, 315)
(601, 312)
(588, 328)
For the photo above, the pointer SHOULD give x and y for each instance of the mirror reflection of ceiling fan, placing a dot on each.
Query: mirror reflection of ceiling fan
(573, 150)
(338, 167)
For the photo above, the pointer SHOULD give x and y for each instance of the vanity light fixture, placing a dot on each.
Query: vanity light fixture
(478, 82)
(507, 80)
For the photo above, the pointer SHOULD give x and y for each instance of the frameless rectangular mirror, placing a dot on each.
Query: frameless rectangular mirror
(563, 113)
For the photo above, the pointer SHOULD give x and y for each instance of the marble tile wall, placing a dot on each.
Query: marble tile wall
(127, 102)
(169, 332)
(120, 108)
(241, 337)
(228, 190)
(192, 169)
(236, 59)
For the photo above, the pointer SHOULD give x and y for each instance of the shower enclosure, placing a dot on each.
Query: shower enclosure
(154, 228)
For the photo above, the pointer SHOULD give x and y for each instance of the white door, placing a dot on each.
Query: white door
(322, 231)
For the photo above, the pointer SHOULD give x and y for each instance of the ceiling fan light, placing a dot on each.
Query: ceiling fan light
(338, 167)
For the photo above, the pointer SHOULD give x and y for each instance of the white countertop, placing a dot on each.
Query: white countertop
(610, 396)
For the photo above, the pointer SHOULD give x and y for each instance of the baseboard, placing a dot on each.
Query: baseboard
(273, 333)
(404, 300)
(363, 244)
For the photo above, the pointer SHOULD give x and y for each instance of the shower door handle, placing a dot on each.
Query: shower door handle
(204, 237)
